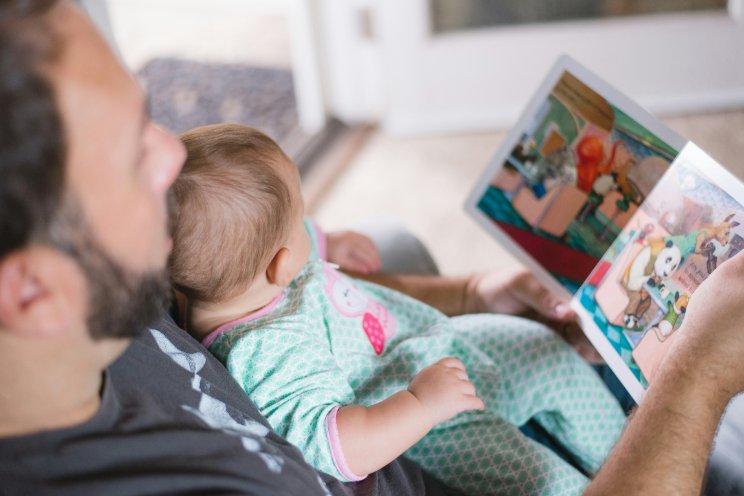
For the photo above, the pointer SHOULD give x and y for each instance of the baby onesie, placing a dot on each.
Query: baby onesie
(329, 341)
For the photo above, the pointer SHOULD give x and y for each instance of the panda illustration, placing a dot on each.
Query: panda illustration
(655, 263)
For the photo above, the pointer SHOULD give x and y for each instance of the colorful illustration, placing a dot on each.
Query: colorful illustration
(377, 323)
(638, 293)
(616, 212)
(573, 181)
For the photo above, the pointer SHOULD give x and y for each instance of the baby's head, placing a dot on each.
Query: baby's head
(237, 215)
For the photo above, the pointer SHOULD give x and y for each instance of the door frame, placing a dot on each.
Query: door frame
(394, 74)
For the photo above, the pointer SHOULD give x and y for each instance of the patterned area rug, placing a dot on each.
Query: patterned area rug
(185, 94)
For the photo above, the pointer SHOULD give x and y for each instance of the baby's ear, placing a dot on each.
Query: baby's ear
(279, 271)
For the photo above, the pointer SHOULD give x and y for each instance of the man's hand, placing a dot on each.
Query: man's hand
(671, 433)
(711, 338)
(352, 251)
(518, 292)
(444, 390)
(515, 292)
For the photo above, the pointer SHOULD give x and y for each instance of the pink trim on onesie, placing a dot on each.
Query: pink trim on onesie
(209, 339)
(336, 451)
(322, 242)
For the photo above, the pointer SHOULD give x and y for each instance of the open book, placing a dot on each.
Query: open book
(612, 210)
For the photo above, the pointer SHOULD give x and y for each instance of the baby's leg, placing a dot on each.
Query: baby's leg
(485, 455)
(523, 370)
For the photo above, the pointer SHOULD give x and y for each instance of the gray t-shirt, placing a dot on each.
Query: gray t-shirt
(173, 421)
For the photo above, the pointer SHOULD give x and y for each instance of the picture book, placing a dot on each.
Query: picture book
(613, 211)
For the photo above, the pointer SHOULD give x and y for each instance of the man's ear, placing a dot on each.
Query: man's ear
(34, 295)
(278, 272)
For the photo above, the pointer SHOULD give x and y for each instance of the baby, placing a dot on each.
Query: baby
(356, 374)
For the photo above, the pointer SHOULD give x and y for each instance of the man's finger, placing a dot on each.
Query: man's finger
(562, 311)
(368, 250)
(362, 264)
(535, 295)
(551, 306)
(574, 336)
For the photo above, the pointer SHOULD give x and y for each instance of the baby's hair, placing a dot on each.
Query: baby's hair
(231, 210)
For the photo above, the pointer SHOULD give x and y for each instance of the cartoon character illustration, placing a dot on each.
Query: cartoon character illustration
(624, 185)
(604, 175)
(591, 163)
(601, 187)
(536, 168)
(638, 304)
(524, 153)
(697, 241)
(713, 242)
(712, 249)
(563, 167)
(377, 323)
(672, 320)
(539, 172)
(649, 352)
(654, 264)
(590, 155)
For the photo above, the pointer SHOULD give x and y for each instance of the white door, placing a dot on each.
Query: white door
(457, 65)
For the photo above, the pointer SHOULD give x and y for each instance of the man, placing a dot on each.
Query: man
(91, 405)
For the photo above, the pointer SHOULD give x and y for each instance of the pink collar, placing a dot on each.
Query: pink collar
(210, 338)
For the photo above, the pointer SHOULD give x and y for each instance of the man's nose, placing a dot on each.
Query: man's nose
(171, 156)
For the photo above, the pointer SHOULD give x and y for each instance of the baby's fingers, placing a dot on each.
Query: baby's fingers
(452, 363)
(472, 402)
(467, 387)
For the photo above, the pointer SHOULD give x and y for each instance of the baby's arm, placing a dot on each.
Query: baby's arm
(374, 436)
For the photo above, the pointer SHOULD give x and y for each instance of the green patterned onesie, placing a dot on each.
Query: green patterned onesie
(329, 341)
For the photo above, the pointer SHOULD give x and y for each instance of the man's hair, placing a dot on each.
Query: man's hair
(32, 145)
(232, 210)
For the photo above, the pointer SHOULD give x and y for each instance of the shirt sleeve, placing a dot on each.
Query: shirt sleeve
(317, 240)
(294, 380)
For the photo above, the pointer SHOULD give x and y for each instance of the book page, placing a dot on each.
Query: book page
(570, 175)
(634, 302)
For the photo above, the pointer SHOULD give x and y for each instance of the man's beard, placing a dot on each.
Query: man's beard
(121, 302)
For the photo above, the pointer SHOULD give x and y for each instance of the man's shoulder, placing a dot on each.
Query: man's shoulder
(166, 362)
(170, 422)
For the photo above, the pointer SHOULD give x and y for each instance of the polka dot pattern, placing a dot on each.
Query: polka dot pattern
(305, 358)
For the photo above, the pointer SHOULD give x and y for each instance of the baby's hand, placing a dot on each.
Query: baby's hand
(444, 390)
(352, 251)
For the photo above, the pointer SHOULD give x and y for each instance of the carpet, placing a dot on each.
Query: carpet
(185, 94)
